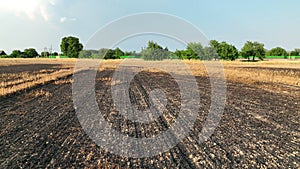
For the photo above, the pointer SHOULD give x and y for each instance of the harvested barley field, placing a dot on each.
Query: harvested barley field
(260, 126)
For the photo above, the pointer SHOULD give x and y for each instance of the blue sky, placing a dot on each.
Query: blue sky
(42, 23)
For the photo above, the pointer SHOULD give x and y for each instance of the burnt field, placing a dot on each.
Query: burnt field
(260, 126)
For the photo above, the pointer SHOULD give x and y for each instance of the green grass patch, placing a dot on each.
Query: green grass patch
(294, 57)
(276, 57)
(130, 57)
(59, 57)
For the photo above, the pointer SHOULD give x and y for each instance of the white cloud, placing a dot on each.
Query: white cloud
(65, 19)
(44, 13)
(31, 8)
(53, 2)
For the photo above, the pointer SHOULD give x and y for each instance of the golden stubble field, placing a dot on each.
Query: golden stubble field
(275, 76)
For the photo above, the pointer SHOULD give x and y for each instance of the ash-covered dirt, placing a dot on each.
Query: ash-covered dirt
(259, 129)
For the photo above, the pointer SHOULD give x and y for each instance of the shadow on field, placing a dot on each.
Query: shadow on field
(28, 68)
(257, 68)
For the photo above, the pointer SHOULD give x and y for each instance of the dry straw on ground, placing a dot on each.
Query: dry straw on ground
(269, 75)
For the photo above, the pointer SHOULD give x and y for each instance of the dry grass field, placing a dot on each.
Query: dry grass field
(260, 127)
(274, 76)
(21, 74)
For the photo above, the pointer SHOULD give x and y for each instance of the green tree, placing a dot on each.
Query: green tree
(118, 53)
(153, 45)
(127, 53)
(85, 54)
(195, 50)
(227, 51)
(102, 52)
(55, 54)
(253, 49)
(155, 52)
(45, 54)
(71, 47)
(189, 54)
(110, 54)
(3, 54)
(294, 53)
(30, 53)
(224, 50)
(278, 51)
(215, 44)
(210, 53)
(16, 54)
(180, 54)
(173, 56)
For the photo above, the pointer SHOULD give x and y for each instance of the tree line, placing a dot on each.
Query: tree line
(29, 53)
(194, 50)
(71, 47)
(106, 53)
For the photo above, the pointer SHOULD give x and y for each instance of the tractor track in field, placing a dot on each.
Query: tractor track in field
(259, 129)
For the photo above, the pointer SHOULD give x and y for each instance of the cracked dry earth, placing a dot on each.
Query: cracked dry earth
(259, 129)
